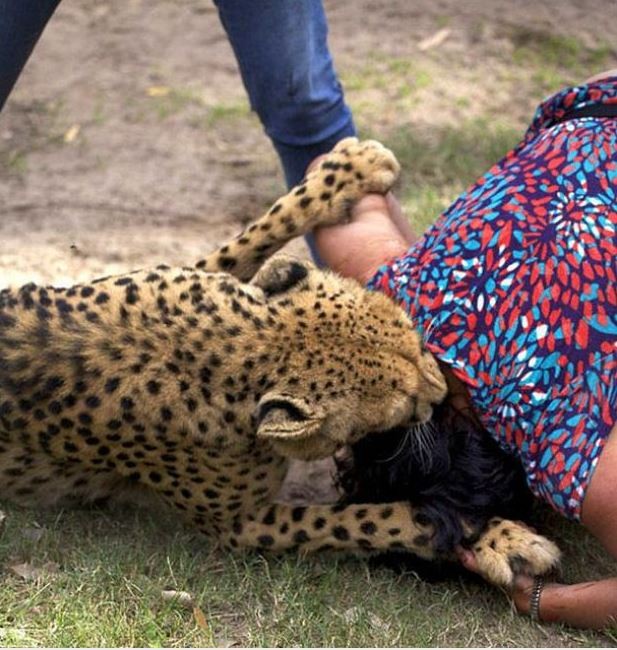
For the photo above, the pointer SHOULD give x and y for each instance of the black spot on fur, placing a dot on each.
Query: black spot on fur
(127, 403)
(368, 528)
(102, 298)
(270, 516)
(84, 418)
(111, 384)
(301, 537)
(92, 401)
(226, 263)
(153, 387)
(341, 533)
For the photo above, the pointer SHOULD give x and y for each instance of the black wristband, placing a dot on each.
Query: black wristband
(534, 600)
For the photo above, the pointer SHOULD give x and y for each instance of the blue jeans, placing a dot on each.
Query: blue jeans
(281, 49)
(21, 24)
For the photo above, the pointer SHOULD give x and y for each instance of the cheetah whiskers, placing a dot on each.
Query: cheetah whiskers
(422, 439)
(399, 449)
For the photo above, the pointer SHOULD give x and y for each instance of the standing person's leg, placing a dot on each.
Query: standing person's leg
(21, 24)
(282, 51)
(281, 48)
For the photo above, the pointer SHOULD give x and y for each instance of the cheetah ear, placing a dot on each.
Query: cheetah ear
(281, 274)
(284, 417)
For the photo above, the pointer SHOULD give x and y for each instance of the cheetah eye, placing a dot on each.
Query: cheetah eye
(281, 416)
(291, 411)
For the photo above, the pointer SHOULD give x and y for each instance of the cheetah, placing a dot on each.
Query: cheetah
(200, 383)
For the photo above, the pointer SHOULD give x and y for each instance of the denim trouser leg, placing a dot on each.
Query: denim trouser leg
(21, 24)
(281, 48)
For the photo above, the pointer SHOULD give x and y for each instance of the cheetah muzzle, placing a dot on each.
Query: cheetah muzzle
(198, 383)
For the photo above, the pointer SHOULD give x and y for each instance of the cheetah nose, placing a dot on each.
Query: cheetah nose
(421, 410)
(417, 411)
(435, 385)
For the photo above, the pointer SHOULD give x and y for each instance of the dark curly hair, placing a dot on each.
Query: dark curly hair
(450, 469)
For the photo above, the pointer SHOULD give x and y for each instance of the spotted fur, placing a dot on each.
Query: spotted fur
(199, 383)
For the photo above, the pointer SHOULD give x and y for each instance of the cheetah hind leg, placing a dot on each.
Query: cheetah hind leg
(507, 548)
(350, 171)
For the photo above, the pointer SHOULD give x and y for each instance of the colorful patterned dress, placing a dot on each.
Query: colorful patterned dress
(515, 287)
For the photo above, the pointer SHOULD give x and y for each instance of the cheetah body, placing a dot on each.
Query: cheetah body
(200, 383)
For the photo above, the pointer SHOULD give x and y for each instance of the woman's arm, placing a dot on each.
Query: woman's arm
(588, 604)
(376, 234)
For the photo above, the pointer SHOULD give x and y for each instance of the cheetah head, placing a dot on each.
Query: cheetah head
(354, 364)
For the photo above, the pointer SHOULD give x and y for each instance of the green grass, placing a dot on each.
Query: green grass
(113, 565)
(558, 50)
(167, 102)
(174, 101)
(226, 112)
(439, 164)
(556, 59)
(398, 77)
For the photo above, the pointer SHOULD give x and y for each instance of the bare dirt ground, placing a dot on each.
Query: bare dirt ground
(127, 140)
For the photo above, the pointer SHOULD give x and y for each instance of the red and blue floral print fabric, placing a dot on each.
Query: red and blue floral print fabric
(515, 287)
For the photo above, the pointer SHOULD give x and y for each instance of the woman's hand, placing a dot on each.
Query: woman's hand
(588, 604)
(521, 588)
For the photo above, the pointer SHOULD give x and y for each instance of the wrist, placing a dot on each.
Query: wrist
(522, 592)
(534, 598)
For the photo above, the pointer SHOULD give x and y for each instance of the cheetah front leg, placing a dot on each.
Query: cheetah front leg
(357, 527)
(504, 549)
(351, 170)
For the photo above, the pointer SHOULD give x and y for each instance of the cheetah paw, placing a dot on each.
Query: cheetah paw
(374, 167)
(506, 549)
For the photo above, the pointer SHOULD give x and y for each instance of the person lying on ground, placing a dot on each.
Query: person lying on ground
(515, 290)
